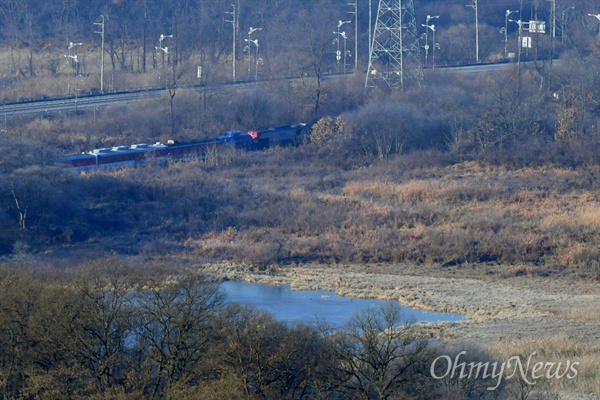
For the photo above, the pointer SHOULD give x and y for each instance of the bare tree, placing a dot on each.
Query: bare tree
(98, 323)
(316, 49)
(273, 360)
(175, 329)
(379, 355)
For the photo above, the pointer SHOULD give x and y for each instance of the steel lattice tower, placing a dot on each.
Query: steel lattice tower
(394, 53)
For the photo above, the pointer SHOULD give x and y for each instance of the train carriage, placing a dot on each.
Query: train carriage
(192, 150)
(128, 156)
(282, 136)
(82, 162)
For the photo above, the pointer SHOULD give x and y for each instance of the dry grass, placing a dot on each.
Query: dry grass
(558, 349)
(459, 215)
(583, 217)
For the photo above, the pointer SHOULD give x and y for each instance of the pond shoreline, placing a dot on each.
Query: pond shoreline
(495, 309)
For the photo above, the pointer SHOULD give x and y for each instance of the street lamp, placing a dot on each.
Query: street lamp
(427, 27)
(165, 50)
(75, 61)
(249, 40)
(597, 16)
(564, 23)
(508, 12)
(338, 54)
(520, 23)
(343, 34)
(255, 43)
(163, 37)
(101, 24)
(435, 46)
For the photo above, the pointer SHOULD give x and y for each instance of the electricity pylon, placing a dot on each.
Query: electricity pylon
(394, 51)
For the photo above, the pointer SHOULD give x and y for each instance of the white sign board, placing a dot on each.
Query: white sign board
(537, 26)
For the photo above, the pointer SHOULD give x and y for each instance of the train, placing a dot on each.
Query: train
(138, 154)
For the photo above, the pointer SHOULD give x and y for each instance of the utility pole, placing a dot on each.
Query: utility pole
(102, 55)
(563, 27)
(475, 6)
(355, 12)
(553, 19)
(234, 23)
(370, 27)
(553, 11)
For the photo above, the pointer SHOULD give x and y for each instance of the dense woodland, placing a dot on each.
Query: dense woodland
(498, 169)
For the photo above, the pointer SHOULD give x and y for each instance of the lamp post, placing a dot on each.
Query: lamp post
(338, 54)
(597, 16)
(164, 50)
(343, 35)
(435, 46)
(564, 23)
(427, 27)
(74, 60)
(255, 43)
(475, 6)
(249, 40)
(163, 37)
(520, 23)
(508, 12)
(234, 23)
(101, 24)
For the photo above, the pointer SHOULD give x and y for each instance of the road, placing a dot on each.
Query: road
(493, 68)
(72, 103)
(87, 102)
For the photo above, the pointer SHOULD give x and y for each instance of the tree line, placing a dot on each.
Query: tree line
(115, 331)
(293, 37)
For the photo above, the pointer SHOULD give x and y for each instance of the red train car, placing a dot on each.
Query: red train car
(282, 136)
